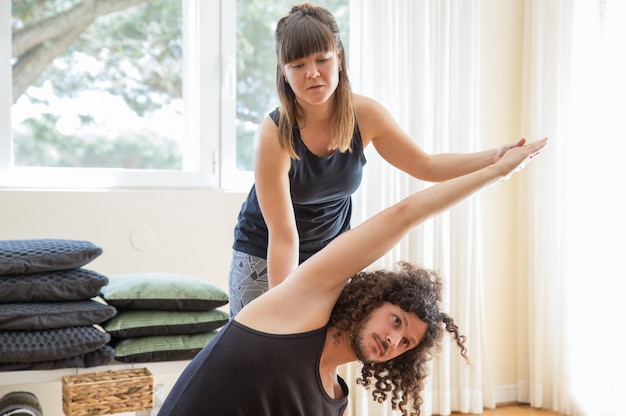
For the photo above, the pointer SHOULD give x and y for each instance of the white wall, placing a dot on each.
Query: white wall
(184, 231)
(501, 76)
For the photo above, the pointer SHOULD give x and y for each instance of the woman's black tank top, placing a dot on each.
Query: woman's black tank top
(321, 189)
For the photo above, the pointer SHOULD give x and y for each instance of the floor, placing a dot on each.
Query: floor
(515, 410)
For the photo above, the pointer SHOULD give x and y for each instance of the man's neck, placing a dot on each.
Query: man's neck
(336, 351)
(334, 354)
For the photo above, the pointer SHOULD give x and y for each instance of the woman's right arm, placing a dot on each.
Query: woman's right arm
(271, 169)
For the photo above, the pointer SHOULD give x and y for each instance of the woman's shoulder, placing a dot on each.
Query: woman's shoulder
(274, 115)
(366, 106)
(267, 129)
(360, 100)
(371, 117)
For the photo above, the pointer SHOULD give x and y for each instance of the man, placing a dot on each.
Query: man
(279, 355)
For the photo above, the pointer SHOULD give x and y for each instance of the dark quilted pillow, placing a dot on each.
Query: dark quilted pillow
(102, 356)
(32, 256)
(50, 344)
(61, 285)
(51, 315)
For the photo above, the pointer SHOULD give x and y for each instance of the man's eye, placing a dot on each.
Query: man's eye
(405, 342)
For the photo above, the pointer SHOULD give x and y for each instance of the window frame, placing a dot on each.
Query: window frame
(205, 115)
(231, 178)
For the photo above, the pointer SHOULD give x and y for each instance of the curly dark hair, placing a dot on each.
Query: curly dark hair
(416, 290)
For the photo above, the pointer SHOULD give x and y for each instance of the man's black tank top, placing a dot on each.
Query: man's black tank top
(321, 189)
(251, 373)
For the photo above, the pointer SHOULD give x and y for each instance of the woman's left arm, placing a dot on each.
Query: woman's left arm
(379, 127)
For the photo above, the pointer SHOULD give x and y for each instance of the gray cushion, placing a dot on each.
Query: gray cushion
(102, 356)
(162, 291)
(51, 315)
(131, 323)
(50, 344)
(60, 285)
(39, 255)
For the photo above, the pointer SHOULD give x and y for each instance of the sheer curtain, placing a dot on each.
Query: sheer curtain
(573, 300)
(421, 63)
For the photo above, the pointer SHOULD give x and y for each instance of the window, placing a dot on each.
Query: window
(162, 93)
(109, 103)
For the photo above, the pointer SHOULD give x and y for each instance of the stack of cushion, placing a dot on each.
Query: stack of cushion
(49, 308)
(162, 316)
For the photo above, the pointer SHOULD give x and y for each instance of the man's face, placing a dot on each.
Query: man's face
(388, 332)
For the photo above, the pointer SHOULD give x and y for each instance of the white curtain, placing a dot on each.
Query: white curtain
(420, 60)
(573, 301)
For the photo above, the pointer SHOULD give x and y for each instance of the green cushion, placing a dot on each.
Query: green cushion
(162, 291)
(161, 348)
(136, 323)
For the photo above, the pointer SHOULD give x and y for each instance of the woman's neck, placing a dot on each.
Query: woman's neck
(315, 114)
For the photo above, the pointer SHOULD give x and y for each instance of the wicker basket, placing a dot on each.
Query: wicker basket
(107, 392)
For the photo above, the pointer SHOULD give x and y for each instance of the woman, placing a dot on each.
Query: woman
(309, 156)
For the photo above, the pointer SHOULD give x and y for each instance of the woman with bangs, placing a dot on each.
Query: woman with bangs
(309, 157)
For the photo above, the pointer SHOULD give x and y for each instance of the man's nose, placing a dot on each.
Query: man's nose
(393, 340)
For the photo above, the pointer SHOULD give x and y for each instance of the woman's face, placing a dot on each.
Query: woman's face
(314, 78)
